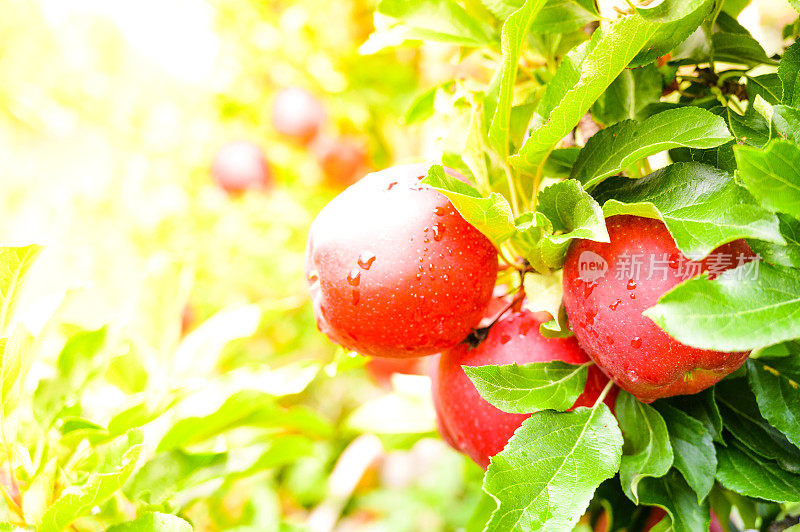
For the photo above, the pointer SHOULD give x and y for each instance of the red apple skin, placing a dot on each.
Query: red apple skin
(297, 114)
(394, 270)
(241, 165)
(342, 161)
(472, 425)
(606, 315)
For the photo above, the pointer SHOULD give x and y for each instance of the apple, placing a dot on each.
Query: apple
(605, 308)
(297, 114)
(471, 424)
(381, 369)
(342, 160)
(394, 270)
(241, 165)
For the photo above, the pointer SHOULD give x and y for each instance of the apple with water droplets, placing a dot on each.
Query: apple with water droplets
(468, 422)
(297, 114)
(394, 270)
(239, 166)
(607, 287)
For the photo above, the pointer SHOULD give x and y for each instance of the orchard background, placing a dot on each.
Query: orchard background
(161, 366)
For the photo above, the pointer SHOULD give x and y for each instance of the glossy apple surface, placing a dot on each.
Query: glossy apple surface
(239, 166)
(605, 308)
(394, 270)
(468, 422)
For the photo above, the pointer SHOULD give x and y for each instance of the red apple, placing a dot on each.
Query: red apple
(297, 114)
(241, 165)
(381, 369)
(605, 308)
(394, 270)
(342, 161)
(471, 424)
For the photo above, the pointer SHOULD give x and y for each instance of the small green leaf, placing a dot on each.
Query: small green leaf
(786, 121)
(546, 475)
(647, 451)
(628, 95)
(153, 522)
(113, 471)
(515, 30)
(168, 473)
(776, 385)
(693, 449)
(789, 72)
(772, 175)
(491, 216)
(702, 207)
(422, 107)
(743, 472)
(530, 387)
(703, 407)
(14, 265)
(728, 314)
(438, 20)
(674, 495)
(613, 149)
(677, 21)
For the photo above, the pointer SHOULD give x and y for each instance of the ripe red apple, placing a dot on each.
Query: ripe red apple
(241, 165)
(381, 369)
(394, 270)
(342, 161)
(471, 424)
(297, 114)
(605, 308)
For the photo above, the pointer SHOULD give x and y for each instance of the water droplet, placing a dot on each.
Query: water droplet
(354, 277)
(636, 342)
(427, 240)
(674, 261)
(313, 276)
(633, 295)
(505, 339)
(590, 317)
(631, 284)
(439, 211)
(615, 304)
(356, 296)
(426, 229)
(411, 239)
(430, 266)
(445, 278)
(588, 288)
(419, 276)
(366, 259)
(438, 232)
(391, 185)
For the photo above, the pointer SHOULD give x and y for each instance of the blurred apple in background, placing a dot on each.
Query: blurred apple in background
(342, 160)
(241, 165)
(297, 114)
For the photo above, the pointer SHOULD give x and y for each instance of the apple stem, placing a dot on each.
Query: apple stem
(603, 394)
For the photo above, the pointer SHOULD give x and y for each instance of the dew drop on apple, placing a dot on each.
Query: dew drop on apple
(354, 278)
(615, 304)
(631, 284)
(636, 342)
(356, 297)
(438, 232)
(440, 211)
(366, 259)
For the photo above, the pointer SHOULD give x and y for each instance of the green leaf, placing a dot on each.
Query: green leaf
(674, 495)
(693, 449)
(422, 107)
(702, 207)
(678, 20)
(242, 409)
(727, 314)
(703, 407)
(491, 216)
(789, 72)
(564, 16)
(168, 473)
(438, 20)
(768, 86)
(153, 522)
(530, 387)
(78, 355)
(15, 360)
(741, 416)
(14, 265)
(787, 255)
(571, 214)
(786, 121)
(738, 48)
(772, 175)
(547, 473)
(618, 147)
(113, 471)
(515, 30)
(647, 451)
(776, 385)
(743, 472)
(628, 95)
(581, 78)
